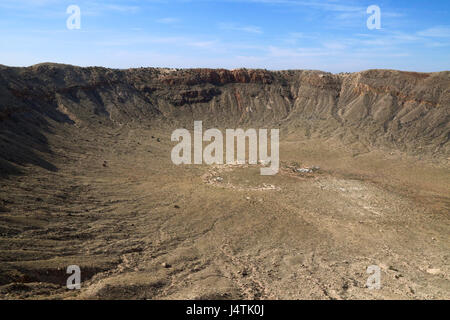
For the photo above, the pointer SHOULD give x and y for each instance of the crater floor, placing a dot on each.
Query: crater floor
(140, 227)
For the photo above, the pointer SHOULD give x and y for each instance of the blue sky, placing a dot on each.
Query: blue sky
(327, 35)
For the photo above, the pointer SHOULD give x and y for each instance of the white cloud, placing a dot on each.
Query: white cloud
(328, 5)
(168, 20)
(121, 8)
(334, 45)
(203, 44)
(234, 27)
(298, 52)
(436, 32)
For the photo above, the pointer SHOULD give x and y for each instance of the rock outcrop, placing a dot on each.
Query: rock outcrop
(398, 110)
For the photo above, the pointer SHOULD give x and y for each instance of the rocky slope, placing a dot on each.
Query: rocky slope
(398, 110)
(86, 179)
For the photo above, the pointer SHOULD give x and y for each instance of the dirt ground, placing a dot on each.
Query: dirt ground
(140, 227)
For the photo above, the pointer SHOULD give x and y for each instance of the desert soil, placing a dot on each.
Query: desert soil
(140, 227)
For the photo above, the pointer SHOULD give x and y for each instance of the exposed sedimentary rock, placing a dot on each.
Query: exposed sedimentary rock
(401, 110)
